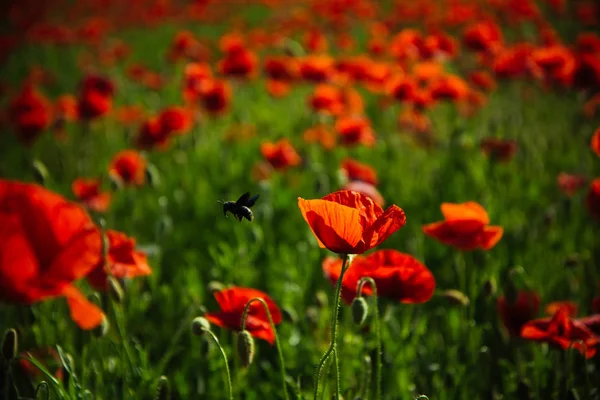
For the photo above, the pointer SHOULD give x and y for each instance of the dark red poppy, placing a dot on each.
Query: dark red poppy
(233, 301)
(513, 62)
(355, 131)
(89, 193)
(122, 261)
(347, 222)
(241, 63)
(595, 144)
(152, 135)
(326, 99)
(215, 96)
(397, 275)
(317, 68)
(556, 63)
(588, 43)
(569, 184)
(128, 167)
(30, 114)
(449, 87)
(402, 88)
(563, 332)
(281, 68)
(195, 75)
(357, 171)
(280, 155)
(483, 36)
(592, 199)
(501, 150)
(466, 227)
(516, 314)
(592, 322)
(587, 73)
(95, 97)
(175, 120)
(46, 243)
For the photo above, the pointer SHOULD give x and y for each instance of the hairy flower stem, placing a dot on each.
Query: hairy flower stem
(333, 345)
(277, 342)
(379, 363)
(229, 386)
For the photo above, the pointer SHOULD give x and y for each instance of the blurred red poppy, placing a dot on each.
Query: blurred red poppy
(122, 261)
(326, 99)
(95, 97)
(595, 144)
(357, 171)
(501, 150)
(233, 301)
(194, 77)
(280, 155)
(88, 192)
(569, 184)
(563, 332)
(592, 322)
(514, 315)
(30, 114)
(592, 199)
(568, 306)
(315, 41)
(483, 36)
(483, 80)
(466, 227)
(175, 120)
(321, 134)
(586, 75)
(46, 243)
(449, 87)
(402, 88)
(281, 68)
(317, 68)
(215, 96)
(347, 222)
(397, 275)
(355, 131)
(239, 63)
(128, 167)
(152, 135)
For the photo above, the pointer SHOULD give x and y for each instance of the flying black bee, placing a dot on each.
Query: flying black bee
(240, 208)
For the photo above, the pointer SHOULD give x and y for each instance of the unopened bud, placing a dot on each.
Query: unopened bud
(360, 310)
(163, 391)
(40, 172)
(489, 288)
(152, 175)
(456, 297)
(10, 344)
(245, 348)
(115, 291)
(200, 326)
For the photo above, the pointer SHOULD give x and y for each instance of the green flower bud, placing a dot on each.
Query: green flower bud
(163, 391)
(10, 344)
(40, 172)
(360, 310)
(115, 290)
(456, 297)
(200, 325)
(245, 348)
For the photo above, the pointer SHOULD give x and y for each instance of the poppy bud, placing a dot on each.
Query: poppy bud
(321, 299)
(523, 391)
(10, 344)
(456, 297)
(40, 172)
(163, 391)
(489, 288)
(215, 286)
(360, 310)
(200, 325)
(245, 348)
(152, 175)
(102, 329)
(115, 290)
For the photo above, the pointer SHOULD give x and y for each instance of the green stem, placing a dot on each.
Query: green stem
(212, 335)
(277, 342)
(334, 323)
(379, 362)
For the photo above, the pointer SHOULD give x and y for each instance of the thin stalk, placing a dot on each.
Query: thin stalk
(277, 342)
(229, 386)
(379, 362)
(334, 323)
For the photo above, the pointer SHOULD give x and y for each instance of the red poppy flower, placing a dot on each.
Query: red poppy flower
(95, 97)
(397, 276)
(355, 131)
(280, 155)
(483, 80)
(215, 96)
(569, 184)
(240, 63)
(402, 88)
(483, 36)
(326, 99)
(281, 68)
(562, 331)
(194, 76)
(30, 114)
(128, 115)
(592, 199)
(588, 43)
(357, 171)
(129, 167)
(513, 62)
(449, 87)
(122, 261)
(152, 135)
(570, 308)
(317, 68)
(515, 315)
(233, 301)
(88, 192)
(65, 108)
(366, 189)
(556, 63)
(46, 243)
(502, 150)
(315, 41)
(321, 134)
(591, 322)
(595, 144)
(347, 222)
(175, 120)
(277, 88)
(466, 227)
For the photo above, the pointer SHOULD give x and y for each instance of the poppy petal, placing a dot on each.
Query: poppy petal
(387, 223)
(491, 236)
(468, 210)
(80, 257)
(83, 312)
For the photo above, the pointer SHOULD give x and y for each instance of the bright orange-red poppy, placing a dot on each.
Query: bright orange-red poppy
(402, 88)
(46, 243)
(449, 87)
(128, 167)
(175, 120)
(569, 184)
(397, 275)
(595, 144)
(366, 189)
(347, 222)
(215, 96)
(569, 307)
(326, 99)
(122, 261)
(89, 193)
(317, 68)
(466, 227)
(355, 131)
(280, 155)
(233, 301)
(194, 77)
(321, 134)
(483, 36)
(516, 314)
(563, 332)
(357, 171)
(240, 63)
(483, 80)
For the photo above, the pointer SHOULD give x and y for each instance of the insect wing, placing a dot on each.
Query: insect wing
(252, 200)
(243, 199)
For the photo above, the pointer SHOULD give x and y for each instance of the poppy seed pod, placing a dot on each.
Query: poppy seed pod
(200, 325)
(115, 290)
(163, 391)
(10, 345)
(456, 297)
(40, 172)
(360, 310)
(245, 348)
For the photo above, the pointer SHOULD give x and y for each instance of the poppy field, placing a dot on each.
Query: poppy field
(303, 199)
